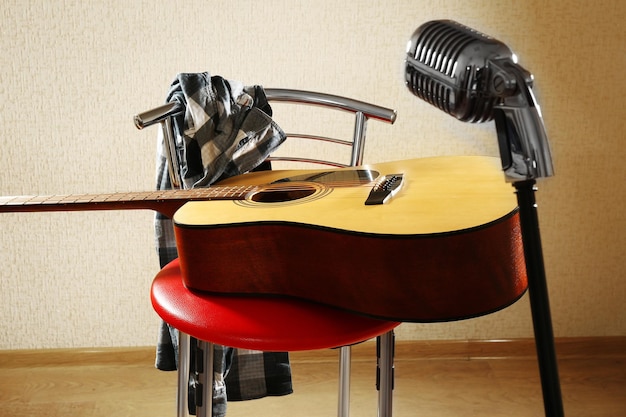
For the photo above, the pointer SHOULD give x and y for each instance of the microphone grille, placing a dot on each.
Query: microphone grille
(440, 73)
(439, 45)
(431, 90)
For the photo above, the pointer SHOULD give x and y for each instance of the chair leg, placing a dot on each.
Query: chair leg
(345, 357)
(183, 374)
(204, 391)
(385, 373)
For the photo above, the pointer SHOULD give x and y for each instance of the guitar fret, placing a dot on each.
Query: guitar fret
(125, 197)
(43, 200)
(170, 195)
(148, 195)
(14, 201)
(83, 199)
(136, 197)
(113, 197)
(100, 198)
(68, 199)
(52, 200)
(34, 200)
(165, 195)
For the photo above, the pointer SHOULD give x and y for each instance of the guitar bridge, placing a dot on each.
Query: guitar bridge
(384, 189)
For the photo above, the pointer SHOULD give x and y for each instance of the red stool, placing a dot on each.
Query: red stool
(269, 324)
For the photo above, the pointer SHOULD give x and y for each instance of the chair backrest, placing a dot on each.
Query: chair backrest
(362, 112)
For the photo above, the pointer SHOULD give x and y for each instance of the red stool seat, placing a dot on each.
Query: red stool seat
(260, 323)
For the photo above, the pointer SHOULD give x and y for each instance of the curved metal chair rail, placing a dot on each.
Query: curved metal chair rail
(329, 100)
(369, 110)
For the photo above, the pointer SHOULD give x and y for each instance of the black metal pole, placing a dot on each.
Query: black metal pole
(539, 300)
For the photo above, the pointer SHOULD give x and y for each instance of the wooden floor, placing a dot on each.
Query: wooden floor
(434, 379)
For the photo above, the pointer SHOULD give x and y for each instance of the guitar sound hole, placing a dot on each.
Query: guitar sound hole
(282, 195)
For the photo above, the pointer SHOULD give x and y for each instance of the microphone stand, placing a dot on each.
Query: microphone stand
(526, 156)
(487, 70)
(539, 300)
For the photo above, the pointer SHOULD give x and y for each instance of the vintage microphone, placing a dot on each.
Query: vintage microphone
(476, 78)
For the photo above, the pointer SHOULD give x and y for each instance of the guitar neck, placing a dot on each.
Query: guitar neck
(164, 201)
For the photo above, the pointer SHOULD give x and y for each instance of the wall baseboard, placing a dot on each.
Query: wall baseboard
(567, 348)
(24, 358)
(571, 347)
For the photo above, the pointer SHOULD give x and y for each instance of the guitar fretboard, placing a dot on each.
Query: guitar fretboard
(165, 201)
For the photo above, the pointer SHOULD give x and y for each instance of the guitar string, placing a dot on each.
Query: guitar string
(215, 192)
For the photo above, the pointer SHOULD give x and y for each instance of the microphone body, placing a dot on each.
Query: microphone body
(476, 78)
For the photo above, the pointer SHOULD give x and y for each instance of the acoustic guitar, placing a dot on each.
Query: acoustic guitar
(422, 240)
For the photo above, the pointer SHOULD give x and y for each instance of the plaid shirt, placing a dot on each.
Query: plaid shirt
(226, 130)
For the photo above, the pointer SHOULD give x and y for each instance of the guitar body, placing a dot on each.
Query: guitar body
(446, 246)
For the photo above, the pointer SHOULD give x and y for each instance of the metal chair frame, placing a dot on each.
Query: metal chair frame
(362, 111)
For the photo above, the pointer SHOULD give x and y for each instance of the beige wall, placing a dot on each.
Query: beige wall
(73, 73)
